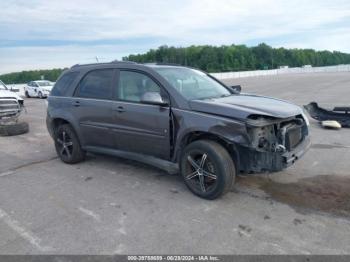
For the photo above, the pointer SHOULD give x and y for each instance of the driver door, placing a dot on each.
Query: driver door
(140, 128)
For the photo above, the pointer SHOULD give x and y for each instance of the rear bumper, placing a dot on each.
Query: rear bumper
(251, 160)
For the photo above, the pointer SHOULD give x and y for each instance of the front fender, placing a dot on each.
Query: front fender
(187, 122)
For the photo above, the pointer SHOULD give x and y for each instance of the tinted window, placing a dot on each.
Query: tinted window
(96, 84)
(63, 84)
(133, 85)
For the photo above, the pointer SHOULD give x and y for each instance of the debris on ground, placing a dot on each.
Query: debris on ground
(331, 124)
(339, 116)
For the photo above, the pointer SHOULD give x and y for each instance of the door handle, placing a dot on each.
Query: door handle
(120, 109)
(76, 103)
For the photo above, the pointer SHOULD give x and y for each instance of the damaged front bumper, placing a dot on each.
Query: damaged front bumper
(289, 158)
(275, 144)
(256, 161)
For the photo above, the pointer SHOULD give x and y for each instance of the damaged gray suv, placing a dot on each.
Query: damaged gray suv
(173, 117)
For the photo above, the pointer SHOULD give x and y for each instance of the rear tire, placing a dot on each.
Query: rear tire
(15, 129)
(27, 94)
(207, 169)
(67, 145)
(40, 95)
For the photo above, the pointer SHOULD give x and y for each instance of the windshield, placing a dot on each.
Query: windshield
(2, 86)
(46, 83)
(192, 84)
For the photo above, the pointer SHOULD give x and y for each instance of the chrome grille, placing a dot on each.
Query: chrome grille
(9, 107)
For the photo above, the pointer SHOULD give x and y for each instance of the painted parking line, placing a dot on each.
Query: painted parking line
(24, 233)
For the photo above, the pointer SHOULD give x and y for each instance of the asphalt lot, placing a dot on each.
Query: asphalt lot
(108, 205)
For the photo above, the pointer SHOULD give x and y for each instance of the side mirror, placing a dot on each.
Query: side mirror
(153, 98)
(237, 88)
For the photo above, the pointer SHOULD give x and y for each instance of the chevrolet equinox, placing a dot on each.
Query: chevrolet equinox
(175, 115)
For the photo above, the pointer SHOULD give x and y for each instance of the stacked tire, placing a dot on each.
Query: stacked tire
(14, 129)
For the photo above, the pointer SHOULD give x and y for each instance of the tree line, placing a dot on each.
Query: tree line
(213, 59)
(239, 57)
(26, 76)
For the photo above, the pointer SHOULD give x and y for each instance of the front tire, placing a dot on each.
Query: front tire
(40, 95)
(27, 94)
(207, 169)
(67, 145)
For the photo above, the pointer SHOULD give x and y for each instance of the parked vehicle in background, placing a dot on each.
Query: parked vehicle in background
(177, 115)
(39, 88)
(11, 106)
(10, 92)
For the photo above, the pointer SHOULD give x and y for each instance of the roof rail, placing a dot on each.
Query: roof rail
(127, 62)
(169, 64)
(105, 63)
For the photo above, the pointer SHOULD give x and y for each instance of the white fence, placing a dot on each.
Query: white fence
(228, 75)
(293, 70)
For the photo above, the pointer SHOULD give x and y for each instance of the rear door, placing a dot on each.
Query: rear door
(138, 127)
(92, 107)
(31, 89)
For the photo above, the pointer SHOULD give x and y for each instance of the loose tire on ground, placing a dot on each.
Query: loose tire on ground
(217, 172)
(67, 145)
(18, 128)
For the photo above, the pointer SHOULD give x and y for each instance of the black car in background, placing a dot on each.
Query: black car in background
(173, 116)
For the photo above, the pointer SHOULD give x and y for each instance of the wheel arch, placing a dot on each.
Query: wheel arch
(56, 122)
(203, 135)
(59, 120)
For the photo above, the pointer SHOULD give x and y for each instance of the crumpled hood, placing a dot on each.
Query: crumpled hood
(7, 93)
(242, 105)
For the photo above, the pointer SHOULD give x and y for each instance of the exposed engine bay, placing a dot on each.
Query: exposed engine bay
(274, 135)
(273, 141)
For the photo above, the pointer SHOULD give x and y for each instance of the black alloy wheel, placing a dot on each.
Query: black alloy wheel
(67, 145)
(207, 169)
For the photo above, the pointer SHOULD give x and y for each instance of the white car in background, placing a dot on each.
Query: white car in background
(39, 88)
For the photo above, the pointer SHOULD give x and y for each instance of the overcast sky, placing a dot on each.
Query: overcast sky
(43, 34)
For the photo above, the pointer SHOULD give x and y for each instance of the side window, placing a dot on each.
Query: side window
(63, 84)
(96, 84)
(132, 86)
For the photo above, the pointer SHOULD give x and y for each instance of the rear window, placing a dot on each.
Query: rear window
(63, 84)
(96, 84)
